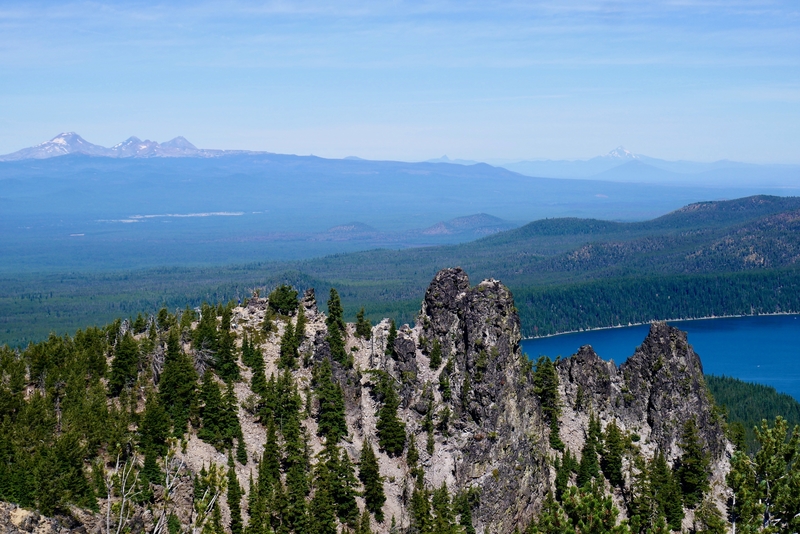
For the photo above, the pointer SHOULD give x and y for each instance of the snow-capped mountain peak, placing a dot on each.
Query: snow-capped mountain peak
(621, 153)
(133, 147)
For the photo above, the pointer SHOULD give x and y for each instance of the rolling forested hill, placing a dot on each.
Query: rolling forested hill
(711, 258)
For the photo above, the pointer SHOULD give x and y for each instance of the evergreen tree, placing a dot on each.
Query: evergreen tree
(693, 467)
(564, 469)
(177, 387)
(390, 339)
(258, 379)
(444, 386)
(124, 366)
(590, 510)
(613, 449)
(322, 508)
(188, 316)
(589, 467)
(205, 335)
(436, 355)
(231, 424)
(363, 326)
(153, 433)
(421, 520)
(545, 380)
(552, 519)
(391, 431)
(765, 486)
(214, 418)
(283, 300)
(336, 313)
(330, 417)
(336, 343)
(342, 482)
(666, 491)
(234, 500)
(225, 361)
(444, 520)
(289, 354)
(364, 526)
(371, 479)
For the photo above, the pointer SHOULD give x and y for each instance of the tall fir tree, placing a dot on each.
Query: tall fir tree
(234, 499)
(363, 326)
(124, 366)
(370, 477)
(330, 417)
(545, 381)
(391, 431)
(288, 351)
(177, 387)
(214, 418)
(612, 452)
(225, 361)
(693, 466)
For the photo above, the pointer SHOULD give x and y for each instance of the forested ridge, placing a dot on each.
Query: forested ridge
(713, 258)
(96, 427)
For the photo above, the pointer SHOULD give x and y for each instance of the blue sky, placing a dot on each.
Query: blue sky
(697, 80)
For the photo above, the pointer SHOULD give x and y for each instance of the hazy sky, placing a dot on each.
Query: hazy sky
(699, 80)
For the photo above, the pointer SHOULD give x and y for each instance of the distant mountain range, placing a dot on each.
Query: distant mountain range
(133, 147)
(619, 165)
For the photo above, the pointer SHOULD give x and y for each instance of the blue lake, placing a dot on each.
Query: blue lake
(763, 349)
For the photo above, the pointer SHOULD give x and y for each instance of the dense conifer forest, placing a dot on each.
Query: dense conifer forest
(715, 258)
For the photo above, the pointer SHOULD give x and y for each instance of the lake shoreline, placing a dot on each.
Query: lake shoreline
(706, 318)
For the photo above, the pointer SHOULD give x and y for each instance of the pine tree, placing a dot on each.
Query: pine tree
(421, 520)
(177, 387)
(545, 381)
(225, 360)
(588, 468)
(363, 326)
(693, 466)
(205, 335)
(371, 479)
(444, 520)
(337, 330)
(330, 417)
(124, 366)
(613, 449)
(213, 413)
(234, 499)
(336, 313)
(283, 300)
(390, 339)
(552, 519)
(666, 491)
(153, 433)
(322, 510)
(342, 482)
(232, 426)
(436, 355)
(258, 380)
(289, 354)
(391, 431)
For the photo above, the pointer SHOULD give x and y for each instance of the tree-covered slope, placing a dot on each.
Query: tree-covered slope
(717, 258)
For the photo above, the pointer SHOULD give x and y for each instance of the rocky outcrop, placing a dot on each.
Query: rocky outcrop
(499, 446)
(490, 434)
(651, 396)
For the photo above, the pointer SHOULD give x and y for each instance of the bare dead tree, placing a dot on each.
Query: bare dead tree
(124, 482)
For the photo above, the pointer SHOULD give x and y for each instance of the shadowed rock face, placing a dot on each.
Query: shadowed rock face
(501, 441)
